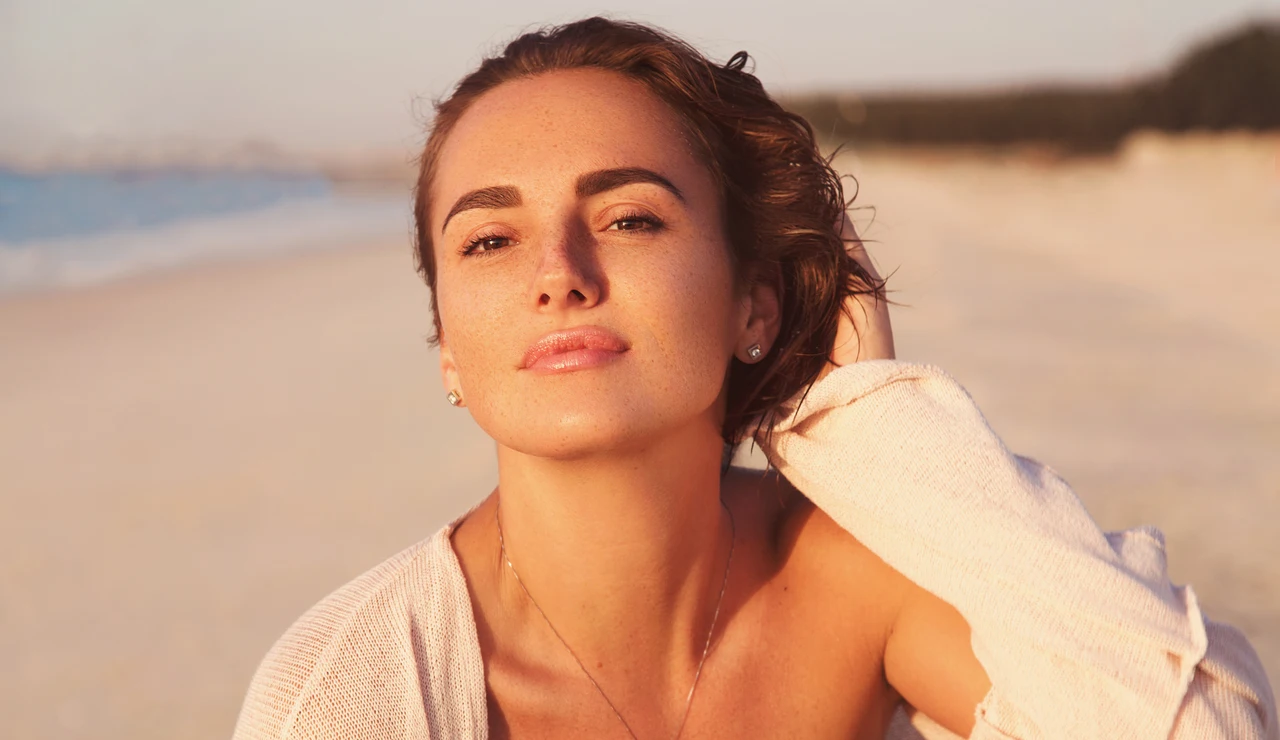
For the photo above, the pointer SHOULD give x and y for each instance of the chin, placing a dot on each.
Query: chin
(567, 433)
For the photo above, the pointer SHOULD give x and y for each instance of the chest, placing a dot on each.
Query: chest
(794, 660)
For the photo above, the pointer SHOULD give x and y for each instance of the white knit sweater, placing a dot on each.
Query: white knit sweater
(1080, 631)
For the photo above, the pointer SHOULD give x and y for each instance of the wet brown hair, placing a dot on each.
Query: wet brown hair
(783, 203)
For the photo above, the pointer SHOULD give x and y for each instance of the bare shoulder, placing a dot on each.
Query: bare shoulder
(919, 643)
(813, 551)
(827, 603)
(820, 546)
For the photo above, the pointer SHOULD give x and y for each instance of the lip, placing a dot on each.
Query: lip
(578, 348)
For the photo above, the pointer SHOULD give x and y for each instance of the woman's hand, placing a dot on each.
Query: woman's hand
(867, 335)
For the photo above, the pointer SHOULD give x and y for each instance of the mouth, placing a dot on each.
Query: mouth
(579, 348)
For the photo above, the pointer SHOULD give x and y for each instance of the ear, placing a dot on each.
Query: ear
(449, 371)
(760, 318)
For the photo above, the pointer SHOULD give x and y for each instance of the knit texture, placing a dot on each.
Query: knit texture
(393, 654)
(1080, 631)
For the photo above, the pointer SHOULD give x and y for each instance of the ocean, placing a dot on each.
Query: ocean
(63, 229)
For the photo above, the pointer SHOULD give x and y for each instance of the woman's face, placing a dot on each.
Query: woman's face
(573, 201)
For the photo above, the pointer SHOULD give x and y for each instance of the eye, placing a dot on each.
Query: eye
(485, 244)
(635, 222)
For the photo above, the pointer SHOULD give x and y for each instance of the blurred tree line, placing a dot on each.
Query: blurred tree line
(1229, 83)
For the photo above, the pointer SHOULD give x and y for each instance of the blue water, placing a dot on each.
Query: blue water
(71, 228)
(62, 204)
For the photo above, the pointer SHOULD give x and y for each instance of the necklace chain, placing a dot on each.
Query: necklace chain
(688, 703)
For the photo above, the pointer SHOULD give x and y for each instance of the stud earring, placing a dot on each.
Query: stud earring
(754, 352)
(454, 398)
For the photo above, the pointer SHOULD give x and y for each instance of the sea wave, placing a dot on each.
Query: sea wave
(295, 225)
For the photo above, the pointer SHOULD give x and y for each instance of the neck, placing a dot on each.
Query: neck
(624, 553)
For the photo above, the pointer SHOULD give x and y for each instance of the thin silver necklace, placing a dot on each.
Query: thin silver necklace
(733, 537)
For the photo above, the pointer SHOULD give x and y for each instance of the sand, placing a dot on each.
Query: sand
(189, 460)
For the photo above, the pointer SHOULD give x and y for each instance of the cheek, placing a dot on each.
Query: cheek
(476, 318)
(689, 308)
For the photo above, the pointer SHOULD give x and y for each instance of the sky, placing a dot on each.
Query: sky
(347, 75)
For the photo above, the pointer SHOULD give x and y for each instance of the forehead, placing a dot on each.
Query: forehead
(534, 131)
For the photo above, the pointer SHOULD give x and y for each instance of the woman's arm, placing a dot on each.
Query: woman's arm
(929, 662)
(1080, 632)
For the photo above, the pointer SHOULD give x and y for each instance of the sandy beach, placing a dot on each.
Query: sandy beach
(190, 459)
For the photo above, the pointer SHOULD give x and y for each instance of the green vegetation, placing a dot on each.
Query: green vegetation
(1229, 83)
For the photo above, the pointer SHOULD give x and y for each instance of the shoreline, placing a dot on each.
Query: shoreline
(195, 456)
(189, 237)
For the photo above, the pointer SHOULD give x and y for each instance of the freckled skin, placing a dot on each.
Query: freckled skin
(813, 623)
(668, 292)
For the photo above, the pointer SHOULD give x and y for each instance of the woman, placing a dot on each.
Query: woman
(636, 263)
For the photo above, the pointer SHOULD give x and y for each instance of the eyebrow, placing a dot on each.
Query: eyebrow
(594, 183)
(496, 196)
(589, 184)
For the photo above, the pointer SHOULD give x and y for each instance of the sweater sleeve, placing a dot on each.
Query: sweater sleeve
(1080, 631)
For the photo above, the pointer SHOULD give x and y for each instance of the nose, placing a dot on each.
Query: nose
(568, 274)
